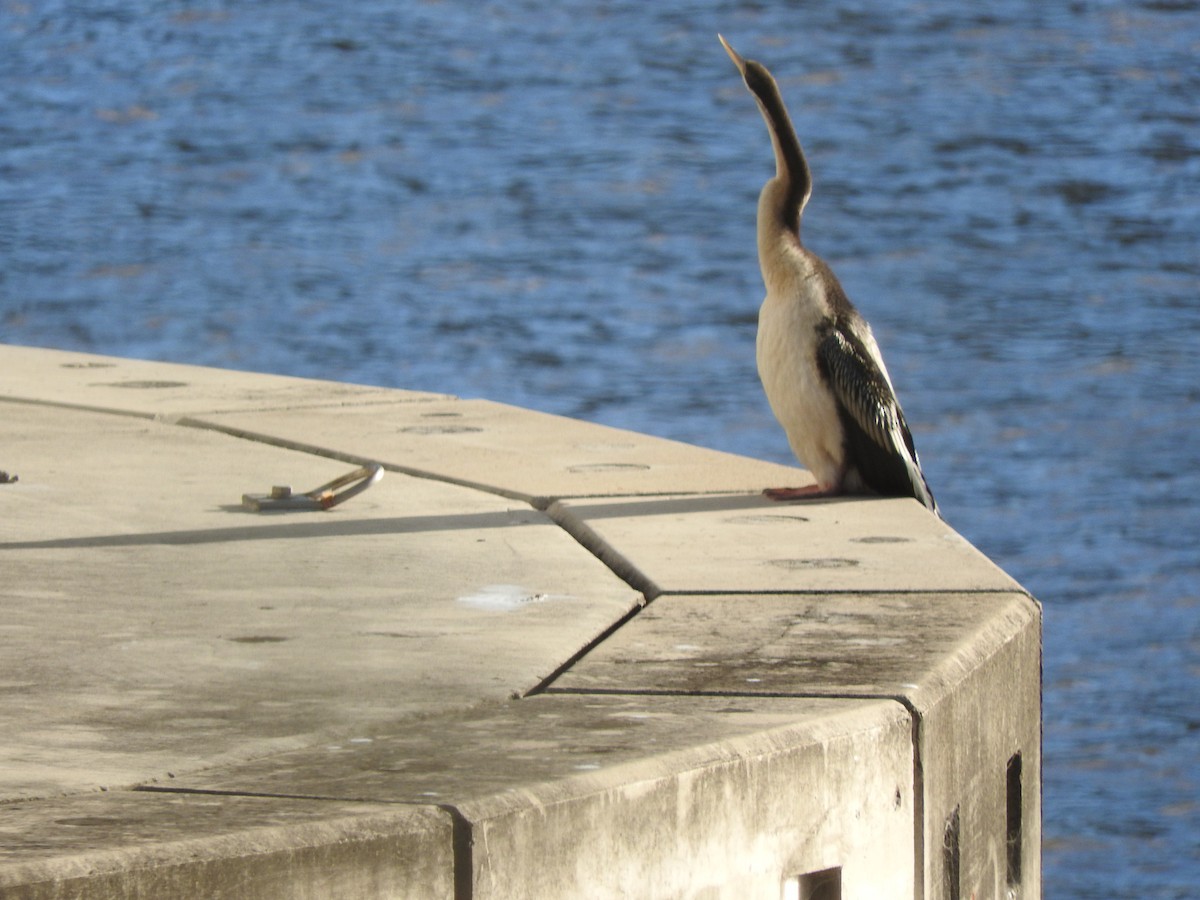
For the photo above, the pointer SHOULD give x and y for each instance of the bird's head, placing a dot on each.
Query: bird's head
(755, 74)
(791, 168)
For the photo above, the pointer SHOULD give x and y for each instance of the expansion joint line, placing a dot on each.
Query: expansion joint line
(463, 841)
(545, 684)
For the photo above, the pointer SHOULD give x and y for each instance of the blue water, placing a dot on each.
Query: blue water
(553, 205)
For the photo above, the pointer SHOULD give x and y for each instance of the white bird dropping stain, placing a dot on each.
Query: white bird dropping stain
(502, 598)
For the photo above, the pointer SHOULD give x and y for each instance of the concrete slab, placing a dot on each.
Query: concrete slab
(122, 844)
(531, 456)
(966, 664)
(905, 645)
(742, 543)
(168, 390)
(693, 796)
(153, 626)
(518, 453)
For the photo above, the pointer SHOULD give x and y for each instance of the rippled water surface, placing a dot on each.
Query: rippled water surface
(552, 205)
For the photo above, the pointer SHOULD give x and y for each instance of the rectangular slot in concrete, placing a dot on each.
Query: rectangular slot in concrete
(823, 885)
(1013, 818)
(951, 859)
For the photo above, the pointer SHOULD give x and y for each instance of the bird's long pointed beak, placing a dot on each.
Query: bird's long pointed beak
(733, 54)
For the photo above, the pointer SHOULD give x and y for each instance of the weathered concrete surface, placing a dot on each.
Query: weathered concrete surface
(527, 455)
(966, 664)
(780, 804)
(170, 390)
(693, 796)
(916, 646)
(122, 845)
(320, 704)
(987, 713)
(156, 626)
(518, 453)
(743, 542)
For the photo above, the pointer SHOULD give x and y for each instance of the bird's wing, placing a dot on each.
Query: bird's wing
(878, 441)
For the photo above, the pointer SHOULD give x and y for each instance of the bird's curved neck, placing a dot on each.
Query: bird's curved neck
(792, 178)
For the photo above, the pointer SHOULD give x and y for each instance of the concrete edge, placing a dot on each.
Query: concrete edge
(253, 861)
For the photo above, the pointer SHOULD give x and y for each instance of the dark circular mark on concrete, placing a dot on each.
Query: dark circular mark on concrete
(606, 467)
(827, 562)
(89, 820)
(765, 519)
(393, 634)
(440, 429)
(144, 385)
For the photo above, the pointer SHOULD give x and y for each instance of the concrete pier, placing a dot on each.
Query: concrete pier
(541, 658)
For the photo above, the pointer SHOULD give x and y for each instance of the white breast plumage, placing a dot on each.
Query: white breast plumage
(787, 364)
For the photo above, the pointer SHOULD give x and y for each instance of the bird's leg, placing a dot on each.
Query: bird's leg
(808, 492)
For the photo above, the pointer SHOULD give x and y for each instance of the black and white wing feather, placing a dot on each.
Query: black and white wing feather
(878, 442)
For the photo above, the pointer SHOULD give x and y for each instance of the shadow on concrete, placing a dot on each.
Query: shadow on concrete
(320, 525)
(648, 505)
(327, 524)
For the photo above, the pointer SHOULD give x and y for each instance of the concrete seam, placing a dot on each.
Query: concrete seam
(463, 841)
(918, 805)
(352, 458)
(540, 503)
(544, 685)
(775, 695)
(603, 551)
(835, 592)
(82, 407)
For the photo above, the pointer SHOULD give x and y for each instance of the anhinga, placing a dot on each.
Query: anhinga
(820, 366)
